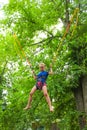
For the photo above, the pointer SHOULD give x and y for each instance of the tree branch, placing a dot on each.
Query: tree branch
(44, 40)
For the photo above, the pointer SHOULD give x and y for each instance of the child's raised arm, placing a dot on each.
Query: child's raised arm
(34, 75)
(51, 70)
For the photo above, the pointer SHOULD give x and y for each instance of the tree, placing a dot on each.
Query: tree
(29, 20)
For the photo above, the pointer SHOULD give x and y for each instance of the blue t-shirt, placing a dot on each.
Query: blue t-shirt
(42, 76)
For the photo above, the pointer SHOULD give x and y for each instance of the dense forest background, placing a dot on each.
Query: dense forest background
(39, 27)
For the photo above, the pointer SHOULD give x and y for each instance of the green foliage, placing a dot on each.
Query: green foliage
(28, 19)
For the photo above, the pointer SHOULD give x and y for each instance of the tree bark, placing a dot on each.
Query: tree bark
(84, 87)
(79, 97)
(54, 127)
(78, 93)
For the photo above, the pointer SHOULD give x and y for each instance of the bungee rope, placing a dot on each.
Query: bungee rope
(17, 50)
(76, 11)
(22, 53)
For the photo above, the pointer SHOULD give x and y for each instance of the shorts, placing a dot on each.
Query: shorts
(39, 85)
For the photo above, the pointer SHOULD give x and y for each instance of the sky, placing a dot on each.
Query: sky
(54, 28)
(2, 3)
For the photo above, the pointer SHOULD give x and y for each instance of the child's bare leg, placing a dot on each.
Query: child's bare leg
(44, 89)
(30, 98)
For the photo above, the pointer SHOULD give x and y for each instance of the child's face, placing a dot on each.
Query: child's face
(41, 67)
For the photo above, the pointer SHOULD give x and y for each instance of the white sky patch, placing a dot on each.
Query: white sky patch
(25, 63)
(3, 32)
(46, 56)
(57, 27)
(38, 51)
(39, 36)
(54, 29)
(13, 66)
(4, 92)
(2, 15)
(2, 3)
(42, 35)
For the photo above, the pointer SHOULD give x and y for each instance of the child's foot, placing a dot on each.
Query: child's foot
(27, 107)
(51, 109)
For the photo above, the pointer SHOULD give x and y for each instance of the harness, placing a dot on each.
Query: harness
(39, 83)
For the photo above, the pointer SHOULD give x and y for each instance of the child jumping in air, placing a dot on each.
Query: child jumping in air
(41, 85)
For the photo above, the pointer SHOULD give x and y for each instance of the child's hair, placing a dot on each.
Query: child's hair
(42, 64)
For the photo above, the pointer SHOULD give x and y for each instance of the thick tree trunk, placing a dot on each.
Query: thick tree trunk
(34, 126)
(84, 86)
(79, 94)
(54, 127)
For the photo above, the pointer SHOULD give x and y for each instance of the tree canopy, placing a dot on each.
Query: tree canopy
(39, 26)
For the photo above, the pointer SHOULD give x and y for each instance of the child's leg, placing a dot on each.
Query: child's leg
(44, 89)
(30, 98)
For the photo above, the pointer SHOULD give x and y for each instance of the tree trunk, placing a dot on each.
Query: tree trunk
(78, 93)
(79, 97)
(34, 126)
(84, 86)
(54, 127)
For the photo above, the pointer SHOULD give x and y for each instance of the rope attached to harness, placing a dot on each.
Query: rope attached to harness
(21, 52)
(76, 11)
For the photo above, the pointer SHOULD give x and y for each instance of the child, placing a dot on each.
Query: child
(41, 85)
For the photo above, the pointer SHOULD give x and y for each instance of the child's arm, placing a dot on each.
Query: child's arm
(51, 70)
(34, 75)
